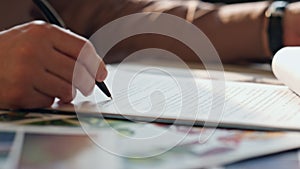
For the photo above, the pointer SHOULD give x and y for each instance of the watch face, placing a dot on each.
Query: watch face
(276, 9)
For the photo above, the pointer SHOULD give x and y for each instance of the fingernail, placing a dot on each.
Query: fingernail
(101, 76)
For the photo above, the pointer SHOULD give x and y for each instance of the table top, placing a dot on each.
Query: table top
(257, 73)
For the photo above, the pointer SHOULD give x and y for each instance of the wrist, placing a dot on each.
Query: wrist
(275, 25)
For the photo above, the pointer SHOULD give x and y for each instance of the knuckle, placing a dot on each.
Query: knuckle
(39, 28)
(87, 48)
(89, 45)
(26, 50)
(37, 22)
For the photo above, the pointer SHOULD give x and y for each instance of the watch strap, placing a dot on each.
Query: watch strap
(275, 13)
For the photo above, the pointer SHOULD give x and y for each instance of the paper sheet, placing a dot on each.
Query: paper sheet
(157, 95)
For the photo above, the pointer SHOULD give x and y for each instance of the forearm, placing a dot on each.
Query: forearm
(236, 31)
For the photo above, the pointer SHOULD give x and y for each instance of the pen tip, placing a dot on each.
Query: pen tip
(110, 97)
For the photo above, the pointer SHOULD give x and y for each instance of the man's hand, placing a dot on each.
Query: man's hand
(37, 63)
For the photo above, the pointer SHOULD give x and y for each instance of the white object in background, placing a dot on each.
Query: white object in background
(286, 67)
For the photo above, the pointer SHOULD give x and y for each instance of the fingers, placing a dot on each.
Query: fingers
(48, 62)
(38, 100)
(83, 80)
(68, 44)
(29, 98)
(60, 65)
(54, 87)
(73, 59)
(77, 48)
(70, 72)
(96, 66)
(102, 72)
(75, 43)
(89, 58)
(81, 50)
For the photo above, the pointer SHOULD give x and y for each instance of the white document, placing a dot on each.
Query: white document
(160, 96)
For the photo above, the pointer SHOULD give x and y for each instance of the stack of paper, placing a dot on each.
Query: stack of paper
(164, 97)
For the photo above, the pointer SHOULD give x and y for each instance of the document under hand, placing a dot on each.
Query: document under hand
(155, 95)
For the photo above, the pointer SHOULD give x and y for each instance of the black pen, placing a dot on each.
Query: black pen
(53, 18)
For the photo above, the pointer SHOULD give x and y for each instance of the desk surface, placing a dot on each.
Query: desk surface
(249, 73)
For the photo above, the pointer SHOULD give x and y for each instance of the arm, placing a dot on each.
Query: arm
(237, 31)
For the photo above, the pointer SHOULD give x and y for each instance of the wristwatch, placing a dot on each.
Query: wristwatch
(275, 14)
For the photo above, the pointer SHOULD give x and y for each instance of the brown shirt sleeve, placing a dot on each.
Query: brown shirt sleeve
(14, 12)
(89, 15)
(237, 31)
